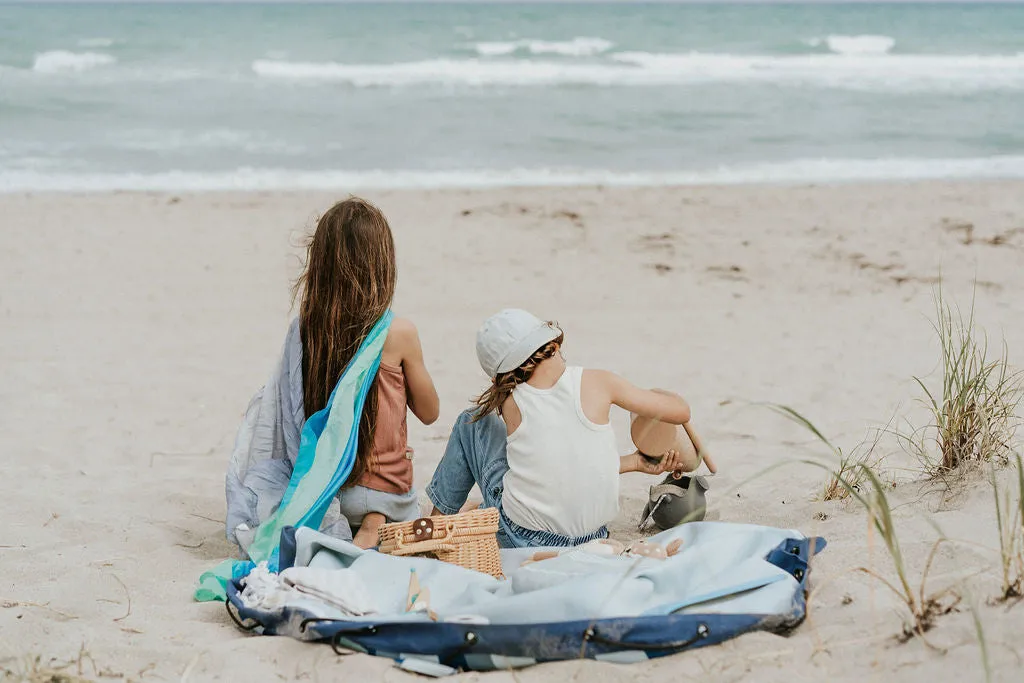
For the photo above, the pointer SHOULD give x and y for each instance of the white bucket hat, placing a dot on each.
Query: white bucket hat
(507, 339)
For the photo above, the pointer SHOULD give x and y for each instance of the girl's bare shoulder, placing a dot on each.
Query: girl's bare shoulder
(403, 337)
(402, 329)
(598, 378)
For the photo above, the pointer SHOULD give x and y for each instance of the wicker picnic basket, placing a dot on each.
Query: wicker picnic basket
(466, 539)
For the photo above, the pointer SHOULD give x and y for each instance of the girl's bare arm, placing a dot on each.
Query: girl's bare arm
(657, 404)
(419, 386)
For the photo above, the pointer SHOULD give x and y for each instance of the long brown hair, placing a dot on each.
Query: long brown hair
(503, 385)
(346, 286)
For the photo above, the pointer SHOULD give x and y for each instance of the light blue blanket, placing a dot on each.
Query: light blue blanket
(722, 568)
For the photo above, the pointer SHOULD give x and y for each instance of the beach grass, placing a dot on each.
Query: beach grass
(972, 419)
(853, 476)
(971, 423)
(923, 606)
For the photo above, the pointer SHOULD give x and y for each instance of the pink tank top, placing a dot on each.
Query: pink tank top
(389, 469)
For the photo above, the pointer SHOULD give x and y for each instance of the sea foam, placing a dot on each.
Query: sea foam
(784, 172)
(855, 45)
(859, 72)
(577, 47)
(63, 61)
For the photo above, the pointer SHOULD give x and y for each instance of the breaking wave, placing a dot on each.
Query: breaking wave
(577, 47)
(784, 172)
(63, 61)
(858, 72)
(855, 45)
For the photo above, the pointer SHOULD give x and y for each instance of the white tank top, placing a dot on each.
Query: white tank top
(563, 470)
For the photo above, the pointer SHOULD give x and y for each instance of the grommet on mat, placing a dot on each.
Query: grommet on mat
(238, 620)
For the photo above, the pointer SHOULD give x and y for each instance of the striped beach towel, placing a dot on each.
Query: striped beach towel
(327, 453)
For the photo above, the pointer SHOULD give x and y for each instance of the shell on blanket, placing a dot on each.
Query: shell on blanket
(644, 549)
(423, 529)
(603, 546)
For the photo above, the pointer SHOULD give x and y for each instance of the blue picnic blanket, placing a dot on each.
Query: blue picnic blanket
(726, 580)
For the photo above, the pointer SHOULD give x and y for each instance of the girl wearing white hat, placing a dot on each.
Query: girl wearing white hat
(539, 443)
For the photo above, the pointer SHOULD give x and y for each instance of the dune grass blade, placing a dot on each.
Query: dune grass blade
(1006, 535)
(793, 415)
(979, 633)
(923, 607)
(1020, 492)
(1010, 524)
(846, 464)
(1019, 530)
(881, 516)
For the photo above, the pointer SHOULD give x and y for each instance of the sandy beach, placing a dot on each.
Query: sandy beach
(135, 328)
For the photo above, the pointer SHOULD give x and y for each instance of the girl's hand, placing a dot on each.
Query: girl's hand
(671, 461)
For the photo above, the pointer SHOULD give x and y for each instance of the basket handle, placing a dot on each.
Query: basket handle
(402, 548)
(424, 547)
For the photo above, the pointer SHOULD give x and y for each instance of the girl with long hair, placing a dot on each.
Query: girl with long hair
(347, 285)
(345, 290)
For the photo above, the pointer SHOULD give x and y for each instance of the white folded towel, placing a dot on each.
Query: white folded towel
(339, 588)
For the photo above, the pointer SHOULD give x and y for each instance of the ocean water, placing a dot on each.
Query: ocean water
(214, 96)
